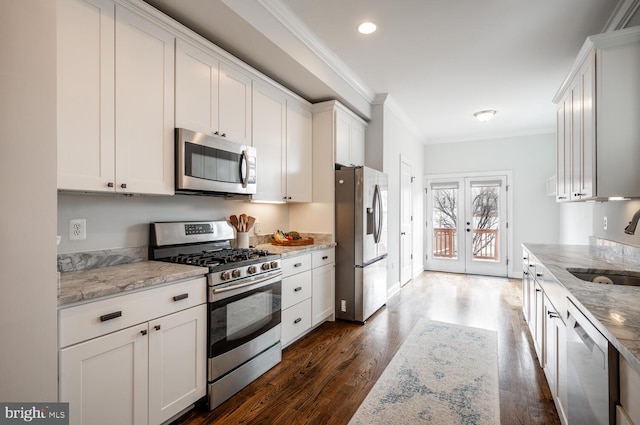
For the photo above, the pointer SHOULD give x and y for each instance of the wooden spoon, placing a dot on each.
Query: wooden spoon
(250, 222)
(243, 222)
(234, 222)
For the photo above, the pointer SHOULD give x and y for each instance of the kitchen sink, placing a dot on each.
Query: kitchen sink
(607, 276)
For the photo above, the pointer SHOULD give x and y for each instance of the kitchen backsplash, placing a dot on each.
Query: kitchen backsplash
(77, 261)
(614, 251)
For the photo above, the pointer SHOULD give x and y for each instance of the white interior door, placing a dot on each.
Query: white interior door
(406, 221)
(467, 225)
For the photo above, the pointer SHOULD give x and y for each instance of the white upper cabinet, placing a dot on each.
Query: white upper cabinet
(144, 106)
(598, 130)
(85, 99)
(349, 137)
(115, 100)
(211, 96)
(269, 132)
(283, 139)
(299, 152)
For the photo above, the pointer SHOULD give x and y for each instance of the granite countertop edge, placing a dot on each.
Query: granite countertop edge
(93, 284)
(292, 251)
(613, 309)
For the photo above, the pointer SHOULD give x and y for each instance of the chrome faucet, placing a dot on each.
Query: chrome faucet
(631, 227)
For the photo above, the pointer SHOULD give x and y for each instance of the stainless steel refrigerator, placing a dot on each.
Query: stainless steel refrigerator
(361, 236)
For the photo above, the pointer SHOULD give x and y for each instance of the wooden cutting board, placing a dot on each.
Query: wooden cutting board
(299, 242)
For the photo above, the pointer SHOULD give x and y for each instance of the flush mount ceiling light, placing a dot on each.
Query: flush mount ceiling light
(366, 27)
(484, 115)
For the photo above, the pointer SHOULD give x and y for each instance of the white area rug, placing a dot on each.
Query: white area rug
(442, 374)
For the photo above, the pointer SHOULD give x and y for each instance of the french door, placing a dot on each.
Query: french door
(467, 224)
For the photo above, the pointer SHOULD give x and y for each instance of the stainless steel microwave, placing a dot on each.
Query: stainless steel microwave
(213, 165)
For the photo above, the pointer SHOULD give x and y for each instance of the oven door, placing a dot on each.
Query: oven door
(244, 320)
(212, 164)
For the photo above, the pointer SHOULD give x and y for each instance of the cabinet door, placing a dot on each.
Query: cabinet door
(357, 143)
(299, 153)
(144, 106)
(526, 281)
(322, 293)
(177, 362)
(563, 174)
(343, 138)
(539, 323)
(234, 104)
(196, 89)
(105, 379)
(269, 128)
(85, 101)
(588, 129)
(555, 357)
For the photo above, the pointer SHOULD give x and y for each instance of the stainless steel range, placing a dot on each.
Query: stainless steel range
(244, 301)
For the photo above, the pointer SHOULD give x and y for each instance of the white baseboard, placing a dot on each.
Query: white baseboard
(393, 289)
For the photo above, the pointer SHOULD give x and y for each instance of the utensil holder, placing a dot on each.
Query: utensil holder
(242, 239)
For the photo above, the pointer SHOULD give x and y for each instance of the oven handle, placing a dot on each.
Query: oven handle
(245, 284)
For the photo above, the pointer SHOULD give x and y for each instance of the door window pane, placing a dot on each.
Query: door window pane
(445, 221)
(485, 220)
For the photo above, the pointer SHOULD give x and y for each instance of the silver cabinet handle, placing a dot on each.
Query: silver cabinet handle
(297, 265)
(298, 320)
(299, 288)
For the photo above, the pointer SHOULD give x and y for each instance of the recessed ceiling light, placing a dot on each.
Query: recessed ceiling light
(484, 115)
(367, 27)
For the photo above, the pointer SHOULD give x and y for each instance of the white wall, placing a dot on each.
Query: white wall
(399, 141)
(576, 223)
(28, 327)
(531, 160)
(123, 222)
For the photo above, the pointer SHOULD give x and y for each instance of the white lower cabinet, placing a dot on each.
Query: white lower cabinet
(307, 293)
(142, 374)
(323, 279)
(628, 411)
(555, 357)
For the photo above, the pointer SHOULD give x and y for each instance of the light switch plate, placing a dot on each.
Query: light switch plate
(604, 223)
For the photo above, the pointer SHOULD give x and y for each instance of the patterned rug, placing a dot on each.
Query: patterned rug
(442, 374)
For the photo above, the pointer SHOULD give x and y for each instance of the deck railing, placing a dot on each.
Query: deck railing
(485, 243)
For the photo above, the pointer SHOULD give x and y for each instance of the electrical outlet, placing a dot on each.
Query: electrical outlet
(77, 229)
(257, 227)
(343, 306)
(604, 223)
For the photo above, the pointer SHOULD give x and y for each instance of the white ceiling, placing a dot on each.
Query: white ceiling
(440, 60)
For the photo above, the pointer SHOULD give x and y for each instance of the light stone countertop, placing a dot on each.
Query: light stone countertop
(292, 251)
(613, 309)
(105, 281)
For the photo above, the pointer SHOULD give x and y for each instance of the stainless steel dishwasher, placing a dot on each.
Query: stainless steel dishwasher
(592, 389)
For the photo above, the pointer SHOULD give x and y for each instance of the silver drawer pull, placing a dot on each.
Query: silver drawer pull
(298, 320)
(180, 297)
(297, 265)
(110, 316)
(299, 288)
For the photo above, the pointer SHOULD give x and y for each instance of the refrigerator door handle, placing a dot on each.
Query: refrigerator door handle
(377, 209)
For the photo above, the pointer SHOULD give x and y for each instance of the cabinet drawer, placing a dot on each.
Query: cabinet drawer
(101, 317)
(296, 320)
(299, 264)
(296, 288)
(320, 258)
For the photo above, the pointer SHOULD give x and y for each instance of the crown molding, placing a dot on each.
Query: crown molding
(493, 136)
(621, 15)
(283, 14)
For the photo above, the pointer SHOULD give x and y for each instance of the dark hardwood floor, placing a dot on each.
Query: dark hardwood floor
(324, 377)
